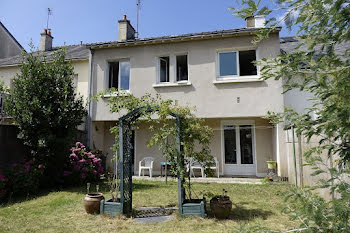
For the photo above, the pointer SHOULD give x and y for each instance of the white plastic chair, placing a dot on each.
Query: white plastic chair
(148, 165)
(216, 167)
(194, 164)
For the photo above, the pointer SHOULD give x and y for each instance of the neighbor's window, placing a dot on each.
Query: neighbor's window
(119, 74)
(181, 68)
(164, 69)
(237, 63)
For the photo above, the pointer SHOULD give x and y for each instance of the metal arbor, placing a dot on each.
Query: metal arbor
(125, 159)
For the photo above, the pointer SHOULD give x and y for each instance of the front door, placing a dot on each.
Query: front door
(238, 149)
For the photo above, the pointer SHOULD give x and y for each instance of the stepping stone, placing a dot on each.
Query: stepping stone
(156, 219)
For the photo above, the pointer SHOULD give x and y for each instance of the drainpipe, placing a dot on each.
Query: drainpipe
(294, 157)
(89, 97)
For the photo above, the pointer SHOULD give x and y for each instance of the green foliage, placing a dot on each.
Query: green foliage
(195, 135)
(45, 108)
(318, 67)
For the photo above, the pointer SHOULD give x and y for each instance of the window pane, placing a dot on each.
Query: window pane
(181, 68)
(230, 144)
(113, 74)
(228, 63)
(124, 75)
(245, 135)
(246, 65)
(164, 69)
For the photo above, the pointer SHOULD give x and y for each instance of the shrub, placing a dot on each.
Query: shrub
(20, 178)
(82, 166)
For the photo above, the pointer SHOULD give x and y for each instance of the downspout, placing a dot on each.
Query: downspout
(89, 97)
(294, 157)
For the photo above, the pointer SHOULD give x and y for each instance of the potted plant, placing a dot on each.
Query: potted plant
(221, 205)
(271, 164)
(92, 201)
(112, 206)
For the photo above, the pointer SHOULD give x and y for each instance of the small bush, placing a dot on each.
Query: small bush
(20, 178)
(82, 166)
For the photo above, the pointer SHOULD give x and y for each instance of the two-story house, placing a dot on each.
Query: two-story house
(212, 71)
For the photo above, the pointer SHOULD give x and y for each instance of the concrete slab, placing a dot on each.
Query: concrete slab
(225, 180)
(156, 219)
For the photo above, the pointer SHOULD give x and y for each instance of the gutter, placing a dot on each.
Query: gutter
(91, 55)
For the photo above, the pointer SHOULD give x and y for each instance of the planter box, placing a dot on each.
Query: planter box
(110, 208)
(194, 207)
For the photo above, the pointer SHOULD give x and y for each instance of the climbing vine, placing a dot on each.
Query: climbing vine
(156, 113)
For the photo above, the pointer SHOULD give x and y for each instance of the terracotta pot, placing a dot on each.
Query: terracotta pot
(92, 202)
(221, 206)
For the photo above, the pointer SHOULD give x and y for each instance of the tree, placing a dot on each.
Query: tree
(316, 66)
(46, 108)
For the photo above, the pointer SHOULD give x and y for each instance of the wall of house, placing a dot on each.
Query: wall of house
(211, 99)
(81, 68)
(103, 139)
(8, 47)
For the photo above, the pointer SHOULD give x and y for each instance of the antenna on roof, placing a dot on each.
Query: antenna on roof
(138, 4)
(49, 12)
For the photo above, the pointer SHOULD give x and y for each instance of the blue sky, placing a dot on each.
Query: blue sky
(96, 20)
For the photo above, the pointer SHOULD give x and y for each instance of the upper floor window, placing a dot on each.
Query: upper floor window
(237, 63)
(181, 68)
(164, 66)
(119, 74)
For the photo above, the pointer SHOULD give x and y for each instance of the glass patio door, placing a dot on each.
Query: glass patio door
(238, 149)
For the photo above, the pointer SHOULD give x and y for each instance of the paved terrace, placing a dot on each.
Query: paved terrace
(226, 180)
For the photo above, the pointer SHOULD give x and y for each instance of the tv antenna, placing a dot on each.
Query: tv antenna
(138, 4)
(49, 12)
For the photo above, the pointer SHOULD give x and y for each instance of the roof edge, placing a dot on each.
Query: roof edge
(177, 38)
(9, 33)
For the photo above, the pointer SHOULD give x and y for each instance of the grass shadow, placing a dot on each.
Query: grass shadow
(241, 213)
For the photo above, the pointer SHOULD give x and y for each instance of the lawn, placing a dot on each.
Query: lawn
(255, 206)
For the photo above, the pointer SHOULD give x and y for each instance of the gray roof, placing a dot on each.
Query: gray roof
(13, 38)
(74, 52)
(179, 38)
(289, 44)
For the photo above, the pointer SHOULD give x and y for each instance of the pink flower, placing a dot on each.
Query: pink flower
(73, 156)
(85, 169)
(95, 173)
(40, 166)
(78, 144)
(83, 176)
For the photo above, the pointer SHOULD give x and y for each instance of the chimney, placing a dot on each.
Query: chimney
(46, 40)
(125, 30)
(255, 21)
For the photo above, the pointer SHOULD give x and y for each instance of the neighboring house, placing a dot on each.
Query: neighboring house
(211, 71)
(9, 67)
(79, 55)
(9, 46)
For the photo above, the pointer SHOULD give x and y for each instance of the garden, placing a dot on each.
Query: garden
(256, 208)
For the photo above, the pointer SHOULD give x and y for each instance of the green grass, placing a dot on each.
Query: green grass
(254, 207)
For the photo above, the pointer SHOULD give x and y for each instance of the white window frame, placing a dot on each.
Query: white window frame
(158, 69)
(107, 77)
(175, 68)
(238, 77)
(237, 124)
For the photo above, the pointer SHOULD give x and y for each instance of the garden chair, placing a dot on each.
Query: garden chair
(216, 167)
(148, 165)
(194, 164)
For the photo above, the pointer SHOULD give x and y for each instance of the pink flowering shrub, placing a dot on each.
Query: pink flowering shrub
(82, 166)
(20, 178)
